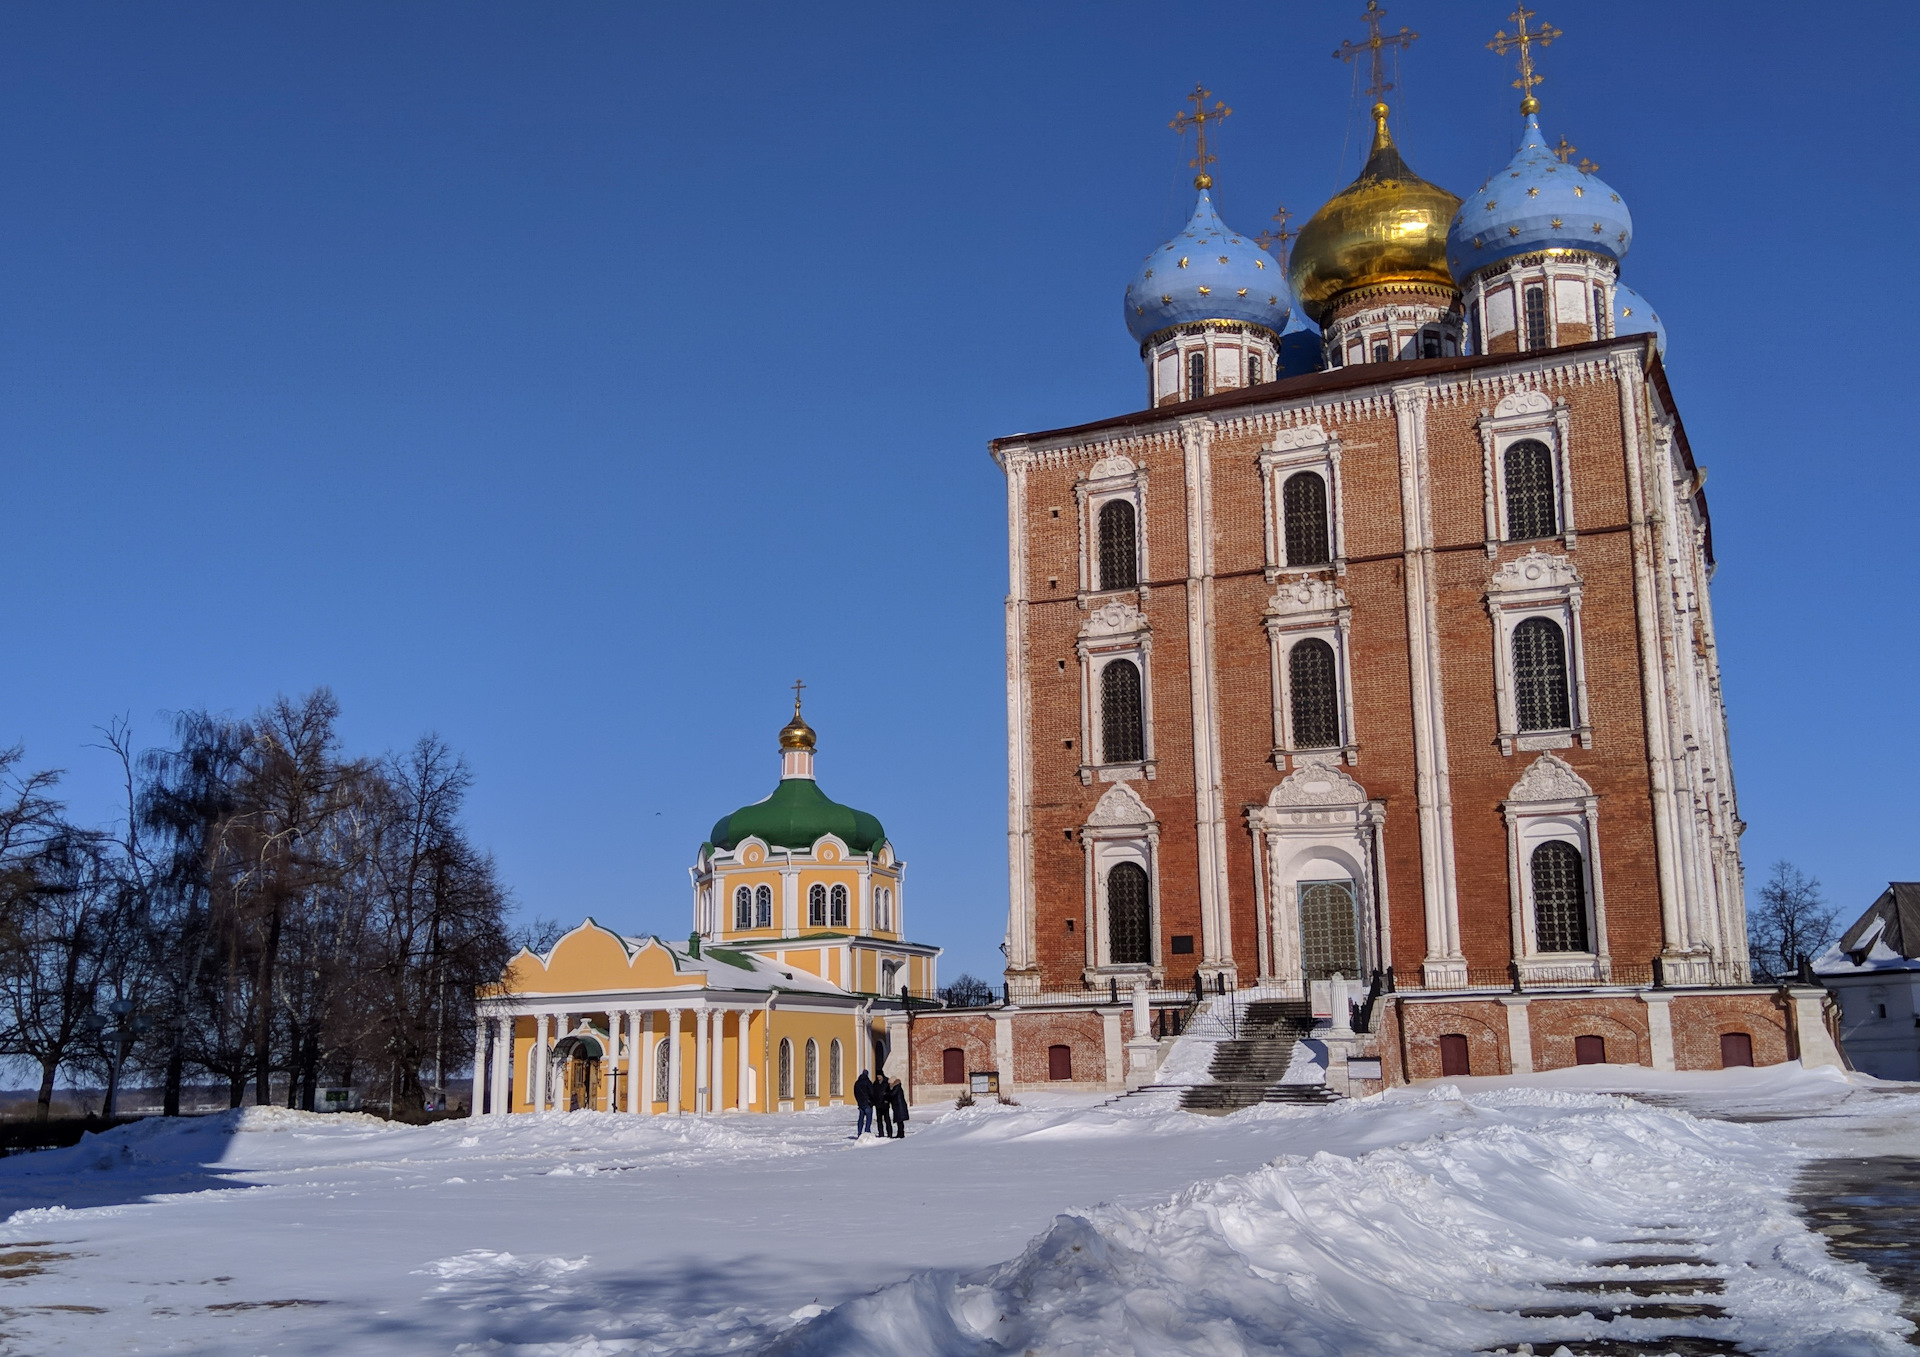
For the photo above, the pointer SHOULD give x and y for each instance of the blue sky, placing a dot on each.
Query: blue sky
(569, 379)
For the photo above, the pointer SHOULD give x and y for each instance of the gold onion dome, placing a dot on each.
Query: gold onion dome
(796, 734)
(1387, 228)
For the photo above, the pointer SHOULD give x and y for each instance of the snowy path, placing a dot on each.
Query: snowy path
(1421, 1222)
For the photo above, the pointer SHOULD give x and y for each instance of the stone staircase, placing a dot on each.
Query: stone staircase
(1248, 1069)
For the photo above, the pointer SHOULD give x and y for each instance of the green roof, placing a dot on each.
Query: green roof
(796, 815)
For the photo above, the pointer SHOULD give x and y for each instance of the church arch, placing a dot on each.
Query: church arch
(836, 1070)
(837, 907)
(1129, 915)
(663, 1071)
(743, 908)
(813, 1069)
(1119, 554)
(786, 1069)
(763, 907)
(816, 907)
(1559, 897)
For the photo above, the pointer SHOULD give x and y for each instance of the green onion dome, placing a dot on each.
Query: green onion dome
(795, 816)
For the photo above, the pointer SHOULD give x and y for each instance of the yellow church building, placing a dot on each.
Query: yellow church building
(797, 975)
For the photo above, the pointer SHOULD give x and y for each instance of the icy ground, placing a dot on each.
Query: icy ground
(1423, 1221)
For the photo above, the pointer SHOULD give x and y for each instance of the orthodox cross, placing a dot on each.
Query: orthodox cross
(1282, 237)
(797, 686)
(1565, 151)
(1375, 47)
(1524, 41)
(1198, 120)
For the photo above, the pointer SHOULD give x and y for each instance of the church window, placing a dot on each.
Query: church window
(953, 1066)
(1329, 935)
(1429, 344)
(1337, 358)
(883, 908)
(816, 907)
(836, 1069)
(1536, 316)
(663, 1071)
(786, 1070)
(813, 1068)
(1122, 732)
(1600, 326)
(1059, 1062)
(1528, 467)
(1127, 915)
(743, 908)
(1473, 327)
(763, 907)
(1313, 686)
(1559, 898)
(1253, 369)
(1380, 353)
(837, 910)
(889, 974)
(1196, 375)
(1540, 675)
(1119, 550)
(1303, 507)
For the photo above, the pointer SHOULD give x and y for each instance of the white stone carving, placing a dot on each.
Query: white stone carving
(1116, 465)
(1308, 595)
(1120, 805)
(1114, 619)
(1306, 436)
(1317, 786)
(1549, 779)
(1522, 403)
(1535, 570)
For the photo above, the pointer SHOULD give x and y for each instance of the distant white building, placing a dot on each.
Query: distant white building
(1874, 973)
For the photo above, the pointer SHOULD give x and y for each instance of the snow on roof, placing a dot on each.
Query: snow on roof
(1885, 938)
(728, 969)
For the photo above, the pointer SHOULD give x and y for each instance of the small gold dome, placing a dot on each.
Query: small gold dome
(796, 734)
(1389, 226)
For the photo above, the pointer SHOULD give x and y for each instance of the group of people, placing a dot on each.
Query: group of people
(879, 1097)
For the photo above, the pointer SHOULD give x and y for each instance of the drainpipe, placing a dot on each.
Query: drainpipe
(767, 1076)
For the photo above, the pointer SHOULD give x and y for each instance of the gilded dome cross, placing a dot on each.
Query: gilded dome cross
(1280, 236)
(1198, 120)
(1375, 47)
(1523, 40)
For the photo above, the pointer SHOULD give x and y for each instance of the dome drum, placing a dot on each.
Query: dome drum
(1392, 322)
(1540, 301)
(1186, 362)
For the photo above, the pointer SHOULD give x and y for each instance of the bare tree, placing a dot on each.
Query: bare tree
(968, 991)
(1793, 921)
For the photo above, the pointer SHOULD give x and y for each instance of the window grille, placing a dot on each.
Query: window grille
(1536, 317)
(663, 1072)
(1196, 376)
(813, 1068)
(1314, 693)
(1253, 369)
(1600, 326)
(835, 1067)
(743, 908)
(1559, 898)
(763, 907)
(1473, 327)
(1303, 511)
(786, 1069)
(1127, 915)
(1122, 733)
(816, 907)
(1329, 930)
(1119, 549)
(838, 917)
(1529, 484)
(1540, 675)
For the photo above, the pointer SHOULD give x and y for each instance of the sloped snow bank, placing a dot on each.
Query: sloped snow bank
(1426, 1247)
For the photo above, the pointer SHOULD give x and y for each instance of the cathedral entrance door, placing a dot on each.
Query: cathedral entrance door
(1329, 930)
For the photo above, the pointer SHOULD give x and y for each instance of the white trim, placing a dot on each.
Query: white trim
(1290, 451)
(1316, 608)
(1553, 803)
(1538, 585)
(1115, 631)
(1522, 416)
(1111, 478)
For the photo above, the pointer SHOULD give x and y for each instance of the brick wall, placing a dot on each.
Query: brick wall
(1699, 1021)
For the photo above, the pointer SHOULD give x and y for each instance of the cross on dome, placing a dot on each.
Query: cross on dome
(1198, 120)
(1280, 236)
(1375, 47)
(1523, 41)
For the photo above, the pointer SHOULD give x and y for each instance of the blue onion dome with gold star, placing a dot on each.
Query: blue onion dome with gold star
(1208, 272)
(1632, 316)
(1538, 203)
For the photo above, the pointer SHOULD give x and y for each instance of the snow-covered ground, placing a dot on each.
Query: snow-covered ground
(1421, 1221)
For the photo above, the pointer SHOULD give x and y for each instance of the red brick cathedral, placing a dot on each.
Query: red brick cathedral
(1384, 648)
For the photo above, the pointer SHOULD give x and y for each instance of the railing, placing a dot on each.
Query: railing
(1521, 977)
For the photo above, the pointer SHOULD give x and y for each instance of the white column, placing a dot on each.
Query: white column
(477, 1098)
(636, 1048)
(559, 1094)
(539, 1059)
(1519, 1034)
(741, 1024)
(673, 1061)
(611, 1065)
(503, 1066)
(702, 1057)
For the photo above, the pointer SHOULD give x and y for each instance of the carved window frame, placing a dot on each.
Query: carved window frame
(1520, 416)
(1551, 802)
(1339, 822)
(1538, 585)
(1298, 611)
(1110, 478)
(1117, 631)
(1293, 450)
(1120, 829)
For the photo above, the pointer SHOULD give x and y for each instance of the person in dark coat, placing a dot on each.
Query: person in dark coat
(898, 1097)
(882, 1106)
(863, 1099)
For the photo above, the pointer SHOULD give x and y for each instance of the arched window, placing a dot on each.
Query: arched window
(743, 908)
(1119, 546)
(1059, 1062)
(1253, 369)
(786, 1070)
(1196, 375)
(1122, 730)
(1313, 690)
(1529, 481)
(1540, 675)
(813, 1068)
(1303, 511)
(1536, 316)
(1473, 328)
(763, 907)
(816, 907)
(889, 975)
(1599, 312)
(1329, 933)
(835, 1069)
(837, 915)
(663, 1071)
(1429, 344)
(1127, 915)
(1559, 898)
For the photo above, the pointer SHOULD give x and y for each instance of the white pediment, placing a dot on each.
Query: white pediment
(1121, 806)
(1114, 619)
(1522, 403)
(1306, 436)
(1315, 785)
(1115, 465)
(1308, 595)
(1549, 779)
(1535, 570)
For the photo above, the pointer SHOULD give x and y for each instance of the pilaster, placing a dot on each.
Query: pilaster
(1216, 933)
